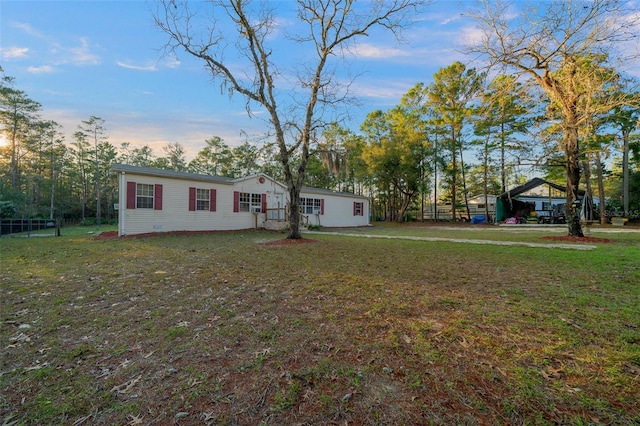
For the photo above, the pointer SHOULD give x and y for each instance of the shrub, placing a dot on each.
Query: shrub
(8, 209)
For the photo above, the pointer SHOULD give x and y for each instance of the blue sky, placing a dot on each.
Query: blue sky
(104, 58)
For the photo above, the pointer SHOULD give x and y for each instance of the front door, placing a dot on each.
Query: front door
(275, 205)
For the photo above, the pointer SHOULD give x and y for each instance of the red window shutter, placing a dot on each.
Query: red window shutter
(355, 207)
(192, 199)
(264, 203)
(157, 197)
(131, 195)
(212, 200)
(236, 201)
(321, 205)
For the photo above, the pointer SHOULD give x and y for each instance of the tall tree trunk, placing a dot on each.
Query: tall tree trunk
(294, 219)
(14, 152)
(485, 177)
(53, 190)
(625, 173)
(601, 202)
(84, 202)
(292, 182)
(396, 207)
(405, 202)
(421, 206)
(435, 180)
(503, 172)
(454, 175)
(98, 200)
(572, 155)
(464, 184)
(587, 200)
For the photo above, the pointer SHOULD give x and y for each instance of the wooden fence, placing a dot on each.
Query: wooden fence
(30, 227)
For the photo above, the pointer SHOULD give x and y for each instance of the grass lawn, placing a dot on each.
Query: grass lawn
(224, 328)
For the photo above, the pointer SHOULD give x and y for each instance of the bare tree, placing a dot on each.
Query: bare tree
(233, 39)
(546, 42)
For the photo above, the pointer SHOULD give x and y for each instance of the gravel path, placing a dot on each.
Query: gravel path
(462, 240)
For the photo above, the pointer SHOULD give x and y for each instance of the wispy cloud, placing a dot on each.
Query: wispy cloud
(172, 62)
(27, 28)
(137, 67)
(13, 52)
(44, 69)
(388, 91)
(370, 51)
(470, 36)
(450, 18)
(82, 54)
(79, 55)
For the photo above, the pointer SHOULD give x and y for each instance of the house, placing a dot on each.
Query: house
(156, 200)
(546, 198)
(476, 206)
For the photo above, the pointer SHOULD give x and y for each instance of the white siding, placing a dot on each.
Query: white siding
(259, 184)
(175, 214)
(338, 210)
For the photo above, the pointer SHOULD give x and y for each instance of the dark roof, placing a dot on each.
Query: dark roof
(322, 191)
(534, 183)
(169, 174)
(148, 171)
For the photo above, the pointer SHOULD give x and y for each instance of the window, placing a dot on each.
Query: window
(311, 206)
(246, 202)
(358, 209)
(202, 199)
(144, 196)
(256, 202)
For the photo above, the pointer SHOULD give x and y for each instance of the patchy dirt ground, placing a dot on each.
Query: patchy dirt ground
(223, 330)
(572, 239)
(108, 235)
(290, 242)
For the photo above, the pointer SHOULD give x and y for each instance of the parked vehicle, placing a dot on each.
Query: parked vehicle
(444, 212)
(555, 215)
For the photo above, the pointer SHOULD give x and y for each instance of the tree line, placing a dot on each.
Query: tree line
(568, 53)
(551, 101)
(459, 136)
(43, 175)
